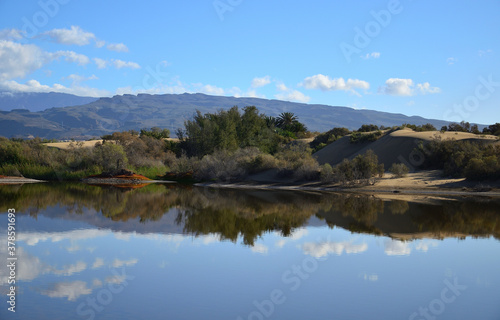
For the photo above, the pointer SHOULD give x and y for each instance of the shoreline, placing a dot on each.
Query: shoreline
(361, 190)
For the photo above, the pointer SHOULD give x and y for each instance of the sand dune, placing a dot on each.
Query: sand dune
(395, 147)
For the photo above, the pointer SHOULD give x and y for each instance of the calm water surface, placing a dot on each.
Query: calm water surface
(165, 252)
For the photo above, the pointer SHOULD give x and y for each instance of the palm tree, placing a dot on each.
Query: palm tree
(286, 119)
(270, 121)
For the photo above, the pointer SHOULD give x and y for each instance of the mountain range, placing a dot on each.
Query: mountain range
(85, 117)
(34, 101)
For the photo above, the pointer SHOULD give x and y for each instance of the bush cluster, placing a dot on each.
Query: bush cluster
(324, 139)
(399, 170)
(357, 137)
(473, 160)
(360, 170)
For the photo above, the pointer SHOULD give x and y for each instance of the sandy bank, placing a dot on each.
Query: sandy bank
(418, 183)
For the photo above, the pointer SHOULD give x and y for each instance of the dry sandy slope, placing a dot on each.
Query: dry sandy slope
(66, 145)
(395, 147)
(91, 143)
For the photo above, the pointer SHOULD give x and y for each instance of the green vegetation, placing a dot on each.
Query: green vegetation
(363, 169)
(493, 129)
(324, 139)
(357, 137)
(368, 128)
(473, 160)
(399, 170)
(228, 130)
(420, 128)
(461, 127)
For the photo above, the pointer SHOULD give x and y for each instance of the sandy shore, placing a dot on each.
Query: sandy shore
(418, 183)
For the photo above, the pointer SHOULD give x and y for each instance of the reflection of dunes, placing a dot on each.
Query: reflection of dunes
(229, 214)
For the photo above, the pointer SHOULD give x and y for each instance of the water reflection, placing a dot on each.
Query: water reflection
(230, 214)
(87, 251)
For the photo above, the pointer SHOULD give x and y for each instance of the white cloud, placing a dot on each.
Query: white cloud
(325, 83)
(373, 55)
(19, 60)
(296, 235)
(70, 290)
(11, 34)
(483, 53)
(424, 245)
(282, 87)
(208, 89)
(259, 248)
(260, 82)
(319, 250)
(117, 263)
(426, 88)
(396, 248)
(288, 94)
(71, 269)
(77, 79)
(73, 36)
(101, 63)
(370, 277)
(99, 262)
(100, 43)
(118, 47)
(96, 283)
(293, 95)
(406, 87)
(35, 86)
(125, 64)
(451, 60)
(71, 56)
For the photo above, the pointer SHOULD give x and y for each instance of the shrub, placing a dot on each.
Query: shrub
(357, 137)
(362, 169)
(399, 170)
(323, 139)
(326, 173)
(368, 128)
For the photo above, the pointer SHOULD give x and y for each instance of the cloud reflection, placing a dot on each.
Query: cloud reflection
(323, 249)
(70, 290)
(396, 248)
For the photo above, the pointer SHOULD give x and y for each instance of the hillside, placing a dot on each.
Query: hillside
(127, 112)
(395, 147)
(39, 101)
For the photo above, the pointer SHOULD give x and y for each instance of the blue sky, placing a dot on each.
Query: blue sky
(416, 57)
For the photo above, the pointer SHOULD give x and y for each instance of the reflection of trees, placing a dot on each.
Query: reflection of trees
(399, 206)
(474, 217)
(251, 213)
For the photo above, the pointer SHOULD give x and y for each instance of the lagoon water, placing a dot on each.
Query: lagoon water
(178, 252)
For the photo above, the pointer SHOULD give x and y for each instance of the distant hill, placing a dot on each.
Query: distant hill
(126, 112)
(38, 101)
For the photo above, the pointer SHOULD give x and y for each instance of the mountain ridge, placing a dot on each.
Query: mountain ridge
(125, 112)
